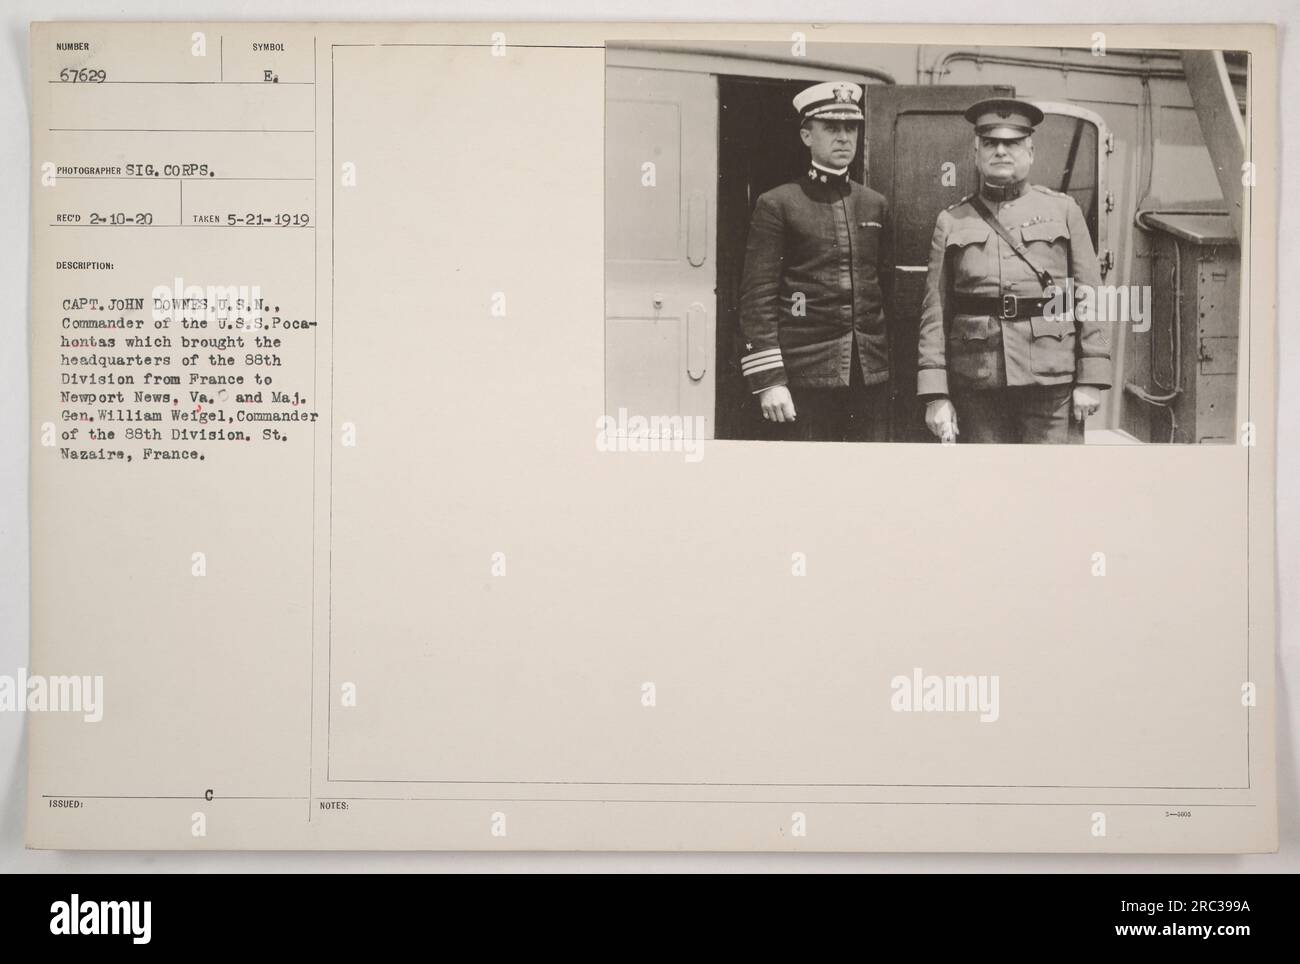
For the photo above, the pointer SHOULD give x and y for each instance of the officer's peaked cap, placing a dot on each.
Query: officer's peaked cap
(837, 100)
(1004, 117)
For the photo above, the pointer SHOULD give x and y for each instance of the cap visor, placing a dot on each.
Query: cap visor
(1004, 133)
(837, 114)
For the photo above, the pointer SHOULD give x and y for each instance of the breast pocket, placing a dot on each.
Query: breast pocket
(868, 235)
(866, 257)
(966, 249)
(1048, 244)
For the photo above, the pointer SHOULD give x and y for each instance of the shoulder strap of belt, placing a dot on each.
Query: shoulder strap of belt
(1017, 246)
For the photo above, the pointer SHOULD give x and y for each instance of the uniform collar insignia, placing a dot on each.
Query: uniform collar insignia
(821, 175)
(1003, 192)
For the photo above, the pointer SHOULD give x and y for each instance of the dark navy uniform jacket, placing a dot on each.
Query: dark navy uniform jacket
(977, 350)
(814, 263)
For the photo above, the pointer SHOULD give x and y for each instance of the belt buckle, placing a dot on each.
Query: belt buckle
(1010, 306)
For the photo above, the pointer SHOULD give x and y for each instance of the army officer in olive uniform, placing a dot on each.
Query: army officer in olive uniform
(812, 312)
(997, 363)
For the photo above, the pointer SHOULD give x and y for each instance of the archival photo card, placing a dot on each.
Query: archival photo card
(405, 412)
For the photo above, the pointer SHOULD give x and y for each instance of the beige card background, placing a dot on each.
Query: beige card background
(520, 694)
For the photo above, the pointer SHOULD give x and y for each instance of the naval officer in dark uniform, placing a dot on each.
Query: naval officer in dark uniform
(998, 362)
(812, 310)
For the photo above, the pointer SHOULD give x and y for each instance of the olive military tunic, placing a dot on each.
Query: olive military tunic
(992, 348)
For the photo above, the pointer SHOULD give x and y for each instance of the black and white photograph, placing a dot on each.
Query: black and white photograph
(926, 244)
(404, 470)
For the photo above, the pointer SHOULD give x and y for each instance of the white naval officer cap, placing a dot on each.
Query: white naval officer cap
(836, 100)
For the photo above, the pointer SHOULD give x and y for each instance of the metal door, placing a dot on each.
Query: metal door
(661, 167)
(922, 161)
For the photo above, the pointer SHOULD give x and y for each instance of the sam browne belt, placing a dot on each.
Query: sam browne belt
(1008, 307)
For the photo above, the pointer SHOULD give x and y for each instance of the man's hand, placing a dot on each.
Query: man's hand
(1086, 401)
(941, 419)
(777, 404)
